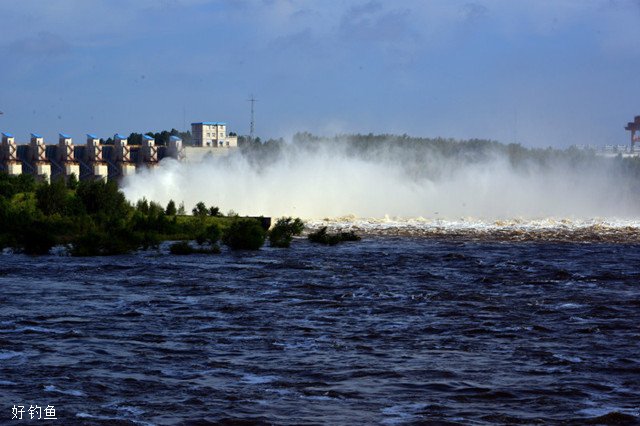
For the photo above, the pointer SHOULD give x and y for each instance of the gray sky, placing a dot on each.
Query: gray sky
(533, 71)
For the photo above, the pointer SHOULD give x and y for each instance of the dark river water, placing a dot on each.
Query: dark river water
(385, 331)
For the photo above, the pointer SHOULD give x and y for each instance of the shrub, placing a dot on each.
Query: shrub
(244, 234)
(181, 248)
(283, 231)
(38, 238)
(214, 233)
(110, 239)
(349, 236)
(322, 237)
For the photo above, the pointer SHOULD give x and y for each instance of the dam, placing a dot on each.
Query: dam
(95, 159)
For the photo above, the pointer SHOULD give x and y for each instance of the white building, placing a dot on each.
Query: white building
(212, 134)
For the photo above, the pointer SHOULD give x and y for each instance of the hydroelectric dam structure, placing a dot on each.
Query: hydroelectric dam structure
(91, 160)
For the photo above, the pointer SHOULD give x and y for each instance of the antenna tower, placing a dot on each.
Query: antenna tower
(251, 127)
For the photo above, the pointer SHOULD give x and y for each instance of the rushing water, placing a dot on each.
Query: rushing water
(390, 330)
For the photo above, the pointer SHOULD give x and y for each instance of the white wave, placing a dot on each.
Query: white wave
(253, 379)
(10, 355)
(72, 392)
(568, 358)
(473, 224)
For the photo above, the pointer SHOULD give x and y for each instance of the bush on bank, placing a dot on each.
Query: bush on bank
(244, 234)
(284, 230)
(321, 236)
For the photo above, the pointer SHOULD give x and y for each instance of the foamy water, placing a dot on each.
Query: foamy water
(570, 229)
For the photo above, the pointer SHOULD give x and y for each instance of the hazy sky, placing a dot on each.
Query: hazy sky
(539, 72)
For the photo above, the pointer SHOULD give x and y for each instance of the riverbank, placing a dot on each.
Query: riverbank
(92, 218)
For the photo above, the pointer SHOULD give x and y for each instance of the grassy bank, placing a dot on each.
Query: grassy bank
(93, 218)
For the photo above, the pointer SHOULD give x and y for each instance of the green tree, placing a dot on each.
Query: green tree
(100, 197)
(51, 198)
(283, 231)
(143, 206)
(72, 181)
(200, 209)
(11, 185)
(171, 208)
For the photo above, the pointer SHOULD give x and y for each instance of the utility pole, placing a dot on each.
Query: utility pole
(251, 127)
(515, 129)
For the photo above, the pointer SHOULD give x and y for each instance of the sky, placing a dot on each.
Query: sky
(536, 72)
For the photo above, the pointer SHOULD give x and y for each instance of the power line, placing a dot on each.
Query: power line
(252, 126)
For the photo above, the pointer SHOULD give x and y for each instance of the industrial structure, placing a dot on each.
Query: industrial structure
(253, 121)
(624, 151)
(9, 160)
(94, 160)
(633, 127)
(175, 148)
(99, 160)
(66, 156)
(37, 157)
